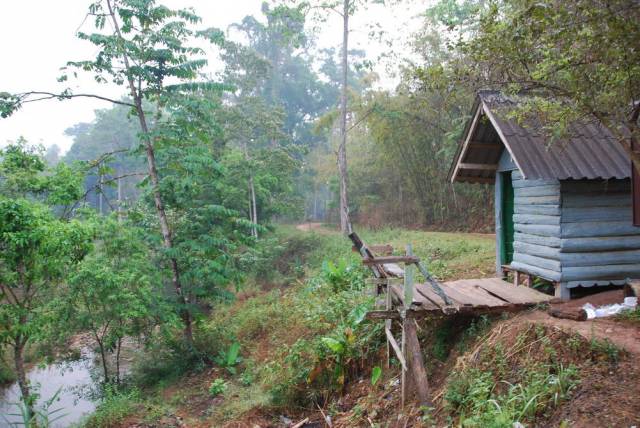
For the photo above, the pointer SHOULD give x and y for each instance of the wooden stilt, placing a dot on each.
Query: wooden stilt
(405, 302)
(416, 363)
(387, 324)
(403, 377)
(528, 281)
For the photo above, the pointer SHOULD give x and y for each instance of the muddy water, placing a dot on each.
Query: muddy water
(74, 381)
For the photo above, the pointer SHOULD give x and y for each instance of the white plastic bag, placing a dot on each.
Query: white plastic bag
(609, 310)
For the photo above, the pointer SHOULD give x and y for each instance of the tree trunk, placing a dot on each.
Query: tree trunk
(155, 186)
(119, 197)
(100, 195)
(118, 348)
(345, 223)
(103, 356)
(254, 208)
(23, 383)
(315, 203)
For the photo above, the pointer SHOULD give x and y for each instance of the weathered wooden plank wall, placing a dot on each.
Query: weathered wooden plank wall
(537, 222)
(599, 243)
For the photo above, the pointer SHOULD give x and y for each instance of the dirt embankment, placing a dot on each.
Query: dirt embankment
(605, 353)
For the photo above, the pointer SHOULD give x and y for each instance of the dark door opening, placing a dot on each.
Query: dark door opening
(508, 230)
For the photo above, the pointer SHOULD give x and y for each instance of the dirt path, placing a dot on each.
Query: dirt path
(622, 335)
(314, 227)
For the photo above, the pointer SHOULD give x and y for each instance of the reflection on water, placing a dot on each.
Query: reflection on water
(74, 381)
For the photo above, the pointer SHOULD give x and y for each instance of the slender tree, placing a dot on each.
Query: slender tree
(345, 221)
(148, 46)
(345, 9)
(37, 248)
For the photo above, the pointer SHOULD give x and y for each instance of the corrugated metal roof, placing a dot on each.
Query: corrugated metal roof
(589, 151)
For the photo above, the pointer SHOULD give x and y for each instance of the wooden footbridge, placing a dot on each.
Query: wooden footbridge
(402, 299)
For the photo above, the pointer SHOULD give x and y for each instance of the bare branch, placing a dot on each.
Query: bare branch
(98, 186)
(104, 156)
(51, 95)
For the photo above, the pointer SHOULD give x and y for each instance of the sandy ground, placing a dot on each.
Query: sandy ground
(621, 334)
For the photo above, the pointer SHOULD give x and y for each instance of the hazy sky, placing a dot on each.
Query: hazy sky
(39, 37)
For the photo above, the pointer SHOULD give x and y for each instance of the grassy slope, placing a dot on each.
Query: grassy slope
(276, 314)
(269, 324)
(448, 255)
(481, 372)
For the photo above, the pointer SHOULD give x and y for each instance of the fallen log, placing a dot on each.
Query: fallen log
(575, 314)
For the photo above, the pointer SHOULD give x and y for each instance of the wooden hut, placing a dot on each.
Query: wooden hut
(563, 210)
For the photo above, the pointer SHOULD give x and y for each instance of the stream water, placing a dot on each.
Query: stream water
(73, 380)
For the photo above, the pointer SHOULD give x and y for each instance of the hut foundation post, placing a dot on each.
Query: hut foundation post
(528, 280)
(562, 292)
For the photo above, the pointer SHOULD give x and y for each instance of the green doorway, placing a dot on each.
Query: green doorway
(507, 218)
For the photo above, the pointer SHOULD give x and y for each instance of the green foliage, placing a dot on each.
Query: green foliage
(631, 316)
(113, 293)
(376, 373)
(457, 333)
(343, 275)
(473, 395)
(165, 359)
(217, 387)
(574, 60)
(37, 248)
(229, 358)
(44, 416)
(7, 374)
(247, 378)
(115, 406)
(335, 357)
(604, 348)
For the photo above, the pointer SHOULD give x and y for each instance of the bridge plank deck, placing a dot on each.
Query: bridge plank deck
(473, 294)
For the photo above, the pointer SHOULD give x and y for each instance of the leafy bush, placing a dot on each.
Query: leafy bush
(343, 275)
(114, 407)
(339, 341)
(7, 375)
(229, 358)
(164, 360)
(217, 387)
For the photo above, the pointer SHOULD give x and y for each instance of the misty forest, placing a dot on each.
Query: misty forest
(234, 238)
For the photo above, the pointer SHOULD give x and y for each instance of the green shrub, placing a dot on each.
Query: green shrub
(229, 358)
(7, 375)
(631, 315)
(338, 343)
(473, 394)
(604, 348)
(115, 406)
(343, 275)
(165, 360)
(217, 387)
